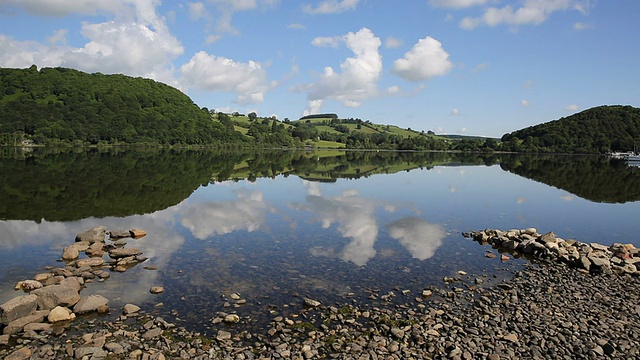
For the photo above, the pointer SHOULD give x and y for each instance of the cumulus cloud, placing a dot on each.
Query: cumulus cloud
(331, 7)
(136, 42)
(426, 59)
(524, 103)
(419, 237)
(456, 4)
(532, 12)
(358, 75)
(572, 107)
(212, 73)
(131, 48)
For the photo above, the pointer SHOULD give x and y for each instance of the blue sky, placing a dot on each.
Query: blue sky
(476, 67)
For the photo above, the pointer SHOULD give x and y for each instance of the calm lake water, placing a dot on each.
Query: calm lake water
(279, 226)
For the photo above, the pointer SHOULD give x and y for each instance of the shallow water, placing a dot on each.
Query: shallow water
(277, 238)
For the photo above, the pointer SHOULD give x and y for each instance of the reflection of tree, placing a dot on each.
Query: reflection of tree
(73, 185)
(594, 178)
(418, 236)
(217, 218)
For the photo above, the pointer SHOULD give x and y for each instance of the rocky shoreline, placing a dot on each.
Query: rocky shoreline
(553, 308)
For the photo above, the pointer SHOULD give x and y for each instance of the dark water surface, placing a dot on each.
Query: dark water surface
(276, 227)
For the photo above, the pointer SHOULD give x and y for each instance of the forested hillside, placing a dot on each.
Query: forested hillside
(597, 130)
(58, 105)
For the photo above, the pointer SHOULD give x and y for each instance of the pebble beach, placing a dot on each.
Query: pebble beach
(561, 305)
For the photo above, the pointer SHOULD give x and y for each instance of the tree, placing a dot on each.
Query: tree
(253, 116)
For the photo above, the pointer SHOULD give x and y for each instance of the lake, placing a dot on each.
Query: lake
(277, 226)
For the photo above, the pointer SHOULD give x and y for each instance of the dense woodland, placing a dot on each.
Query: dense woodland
(58, 106)
(597, 130)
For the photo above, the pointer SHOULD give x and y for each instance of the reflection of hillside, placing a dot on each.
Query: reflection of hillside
(597, 179)
(71, 185)
(75, 185)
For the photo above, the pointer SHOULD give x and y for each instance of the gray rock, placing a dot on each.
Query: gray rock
(72, 282)
(114, 347)
(20, 354)
(130, 309)
(91, 262)
(311, 302)
(56, 295)
(18, 307)
(90, 304)
(117, 234)
(95, 234)
(223, 335)
(70, 253)
(18, 325)
(152, 333)
(90, 351)
(123, 252)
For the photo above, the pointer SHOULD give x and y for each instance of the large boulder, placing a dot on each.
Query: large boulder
(95, 234)
(18, 307)
(56, 295)
(90, 304)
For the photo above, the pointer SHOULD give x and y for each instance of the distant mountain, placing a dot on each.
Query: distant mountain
(597, 130)
(63, 106)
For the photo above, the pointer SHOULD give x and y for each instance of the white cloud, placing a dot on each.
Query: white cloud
(455, 112)
(210, 39)
(137, 42)
(130, 48)
(480, 67)
(212, 73)
(582, 26)
(572, 107)
(296, 26)
(358, 77)
(524, 103)
(391, 90)
(456, 4)
(426, 59)
(392, 43)
(197, 10)
(59, 36)
(331, 7)
(324, 41)
(531, 12)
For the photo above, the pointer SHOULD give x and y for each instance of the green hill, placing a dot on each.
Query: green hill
(597, 130)
(65, 106)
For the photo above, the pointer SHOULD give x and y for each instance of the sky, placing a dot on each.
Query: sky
(474, 67)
